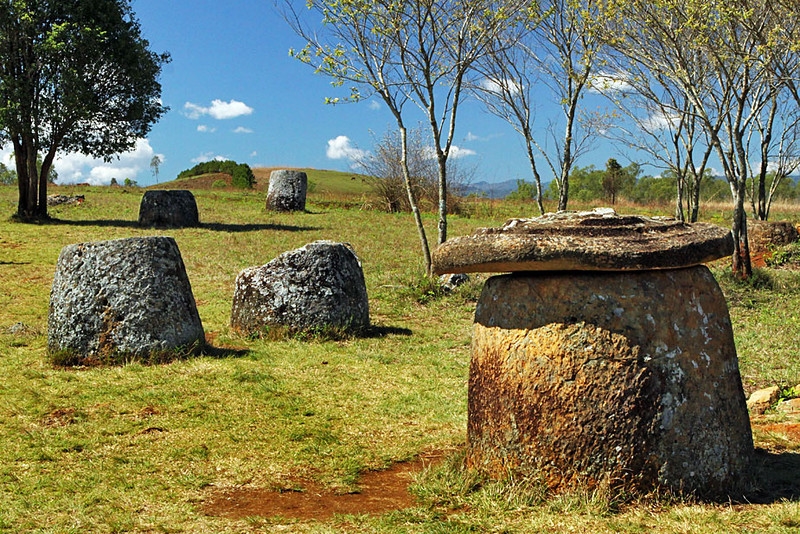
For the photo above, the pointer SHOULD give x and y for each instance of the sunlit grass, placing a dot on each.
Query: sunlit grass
(136, 448)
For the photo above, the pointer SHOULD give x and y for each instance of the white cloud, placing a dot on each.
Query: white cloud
(218, 109)
(457, 152)
(660, 121)
(202, 128)
(500, 87)
(611, 82)
(208, 156)
(341, 148)
(243, 130)
(374, 105)
(77, 168)
(472, 137)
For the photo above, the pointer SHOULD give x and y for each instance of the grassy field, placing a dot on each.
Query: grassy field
(142, 448)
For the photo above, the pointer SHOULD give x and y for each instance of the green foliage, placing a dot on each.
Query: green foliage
(524, 191)
(241, 173)
(7, 176)
(651, 189)
(91, 84)
(788, 255)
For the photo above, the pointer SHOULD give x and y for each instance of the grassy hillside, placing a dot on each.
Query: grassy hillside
(146, 448)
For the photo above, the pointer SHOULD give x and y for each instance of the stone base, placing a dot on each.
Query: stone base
(625, 379)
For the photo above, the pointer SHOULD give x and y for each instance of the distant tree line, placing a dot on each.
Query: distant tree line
(615, 182)
(241, 173)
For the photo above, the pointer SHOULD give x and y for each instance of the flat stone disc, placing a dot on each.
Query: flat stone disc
(598, 240)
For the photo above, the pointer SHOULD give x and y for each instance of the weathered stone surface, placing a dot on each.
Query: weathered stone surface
(320, 285)
(123, 298)
(763, 235)
(450, 282)
(760, 401)
(629, 379)
(168, 209)
(599, 240)
(287, 190)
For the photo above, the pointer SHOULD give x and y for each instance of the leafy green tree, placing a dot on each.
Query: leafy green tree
(586, 184)
(618, 180)
(75, 76)
(655, 189)
(525, 191)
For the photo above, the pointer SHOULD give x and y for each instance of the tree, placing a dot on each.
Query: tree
(561, 52)
(419, 51)
(746, 51)
(74, 77)
(155, 163)
(384, 167)
(7, 176)
(617, 180)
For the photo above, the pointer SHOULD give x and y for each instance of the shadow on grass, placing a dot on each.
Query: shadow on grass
(776, 477)
(223, 352)
(378, 331)
(214, 227)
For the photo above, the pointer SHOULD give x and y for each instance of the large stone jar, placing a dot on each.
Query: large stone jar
(120, 300)
(606, 373)
(319, 286)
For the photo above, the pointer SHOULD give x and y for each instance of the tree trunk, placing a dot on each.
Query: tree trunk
(680, 183)
(442, 160)
(535, 171)
(412, 200)
(741, 266)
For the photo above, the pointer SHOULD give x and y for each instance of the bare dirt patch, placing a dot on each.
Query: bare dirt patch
(379, 492)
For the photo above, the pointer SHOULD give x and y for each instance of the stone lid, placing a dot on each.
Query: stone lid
(597, 240)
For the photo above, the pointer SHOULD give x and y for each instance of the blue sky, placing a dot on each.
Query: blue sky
(234, 93)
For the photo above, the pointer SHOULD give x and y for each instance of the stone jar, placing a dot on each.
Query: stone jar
(168, 209)
(318, 286)
(119, 300)
(287, 190)
(626, 379)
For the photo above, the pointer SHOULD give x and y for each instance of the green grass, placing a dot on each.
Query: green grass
(137, 448)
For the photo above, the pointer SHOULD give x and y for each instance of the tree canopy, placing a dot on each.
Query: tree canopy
(75, 76)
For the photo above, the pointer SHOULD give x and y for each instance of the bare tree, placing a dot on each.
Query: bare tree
(739, 44)
(779, 157)
(420, 51)
(655, 117)
(560, 51)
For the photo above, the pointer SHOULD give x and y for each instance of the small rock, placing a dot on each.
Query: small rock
(789, 406)
(20, 329)
(451, 281)
(760, 401)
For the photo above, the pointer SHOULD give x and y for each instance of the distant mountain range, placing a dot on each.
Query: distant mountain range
(491, 189)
